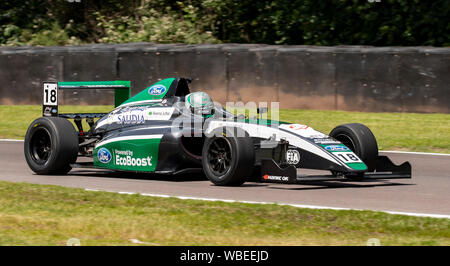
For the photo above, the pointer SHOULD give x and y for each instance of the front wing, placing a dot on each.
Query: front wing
(385, 169)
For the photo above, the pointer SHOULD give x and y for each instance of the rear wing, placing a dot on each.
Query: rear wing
(50, 94)
(50, 99)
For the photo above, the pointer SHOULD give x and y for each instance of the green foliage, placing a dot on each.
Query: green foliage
(112, 21)
(53, 36)
(310, 22)
(149, 25)
(389, 22)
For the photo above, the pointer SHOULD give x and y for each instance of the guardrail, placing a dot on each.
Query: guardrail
(357, 78)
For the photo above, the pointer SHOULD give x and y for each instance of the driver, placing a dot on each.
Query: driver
(200, 103)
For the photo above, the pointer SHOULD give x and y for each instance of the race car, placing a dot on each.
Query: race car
(167, 129)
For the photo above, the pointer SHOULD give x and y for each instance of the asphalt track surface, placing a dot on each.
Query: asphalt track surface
(428, 192)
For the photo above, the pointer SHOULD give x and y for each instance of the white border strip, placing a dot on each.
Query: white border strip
(281, 204)
(418, 153)
(12, 140)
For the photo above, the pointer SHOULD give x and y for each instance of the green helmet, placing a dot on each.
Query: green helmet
(200, 103)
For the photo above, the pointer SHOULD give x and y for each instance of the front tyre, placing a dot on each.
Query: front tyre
(51, 145)
(358, 138)
(228, 157)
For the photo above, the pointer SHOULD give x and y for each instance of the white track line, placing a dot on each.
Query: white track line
(293, 205)
(282, 204)
(418, 153)
(404, 152)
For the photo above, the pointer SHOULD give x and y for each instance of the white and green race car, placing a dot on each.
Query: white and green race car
(166, 129)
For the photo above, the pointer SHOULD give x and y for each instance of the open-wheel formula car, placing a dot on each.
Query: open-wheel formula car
(168, 129)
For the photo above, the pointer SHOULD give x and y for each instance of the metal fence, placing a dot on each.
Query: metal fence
(377, 79)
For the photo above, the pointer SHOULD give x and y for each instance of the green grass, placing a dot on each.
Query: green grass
(50, 215)
(15, 119)
(394, 131)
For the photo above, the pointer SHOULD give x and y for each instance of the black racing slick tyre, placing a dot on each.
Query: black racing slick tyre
(51, 145)
(228, 157)
(360, 140)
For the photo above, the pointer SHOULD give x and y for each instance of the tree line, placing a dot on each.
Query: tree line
(302, 22)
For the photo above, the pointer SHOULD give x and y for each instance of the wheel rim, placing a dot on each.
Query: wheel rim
(40, 146)
(219, 156)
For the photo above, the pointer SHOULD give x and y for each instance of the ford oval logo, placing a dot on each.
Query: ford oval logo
(336, 148)
(156, 90)
(104, 155)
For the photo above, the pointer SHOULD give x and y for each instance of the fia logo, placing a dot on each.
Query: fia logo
(292, 157)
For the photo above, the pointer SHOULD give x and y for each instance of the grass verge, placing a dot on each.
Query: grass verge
(394, 131)
(50, 215)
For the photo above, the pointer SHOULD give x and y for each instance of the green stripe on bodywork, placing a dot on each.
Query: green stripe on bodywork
(121, 88)
(125, 152)
(121, 96)
(145, 95)
(357, 166)
(110, 83)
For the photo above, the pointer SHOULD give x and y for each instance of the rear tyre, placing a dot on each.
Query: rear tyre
(360, 140)
(228, 157)
(51, 145)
